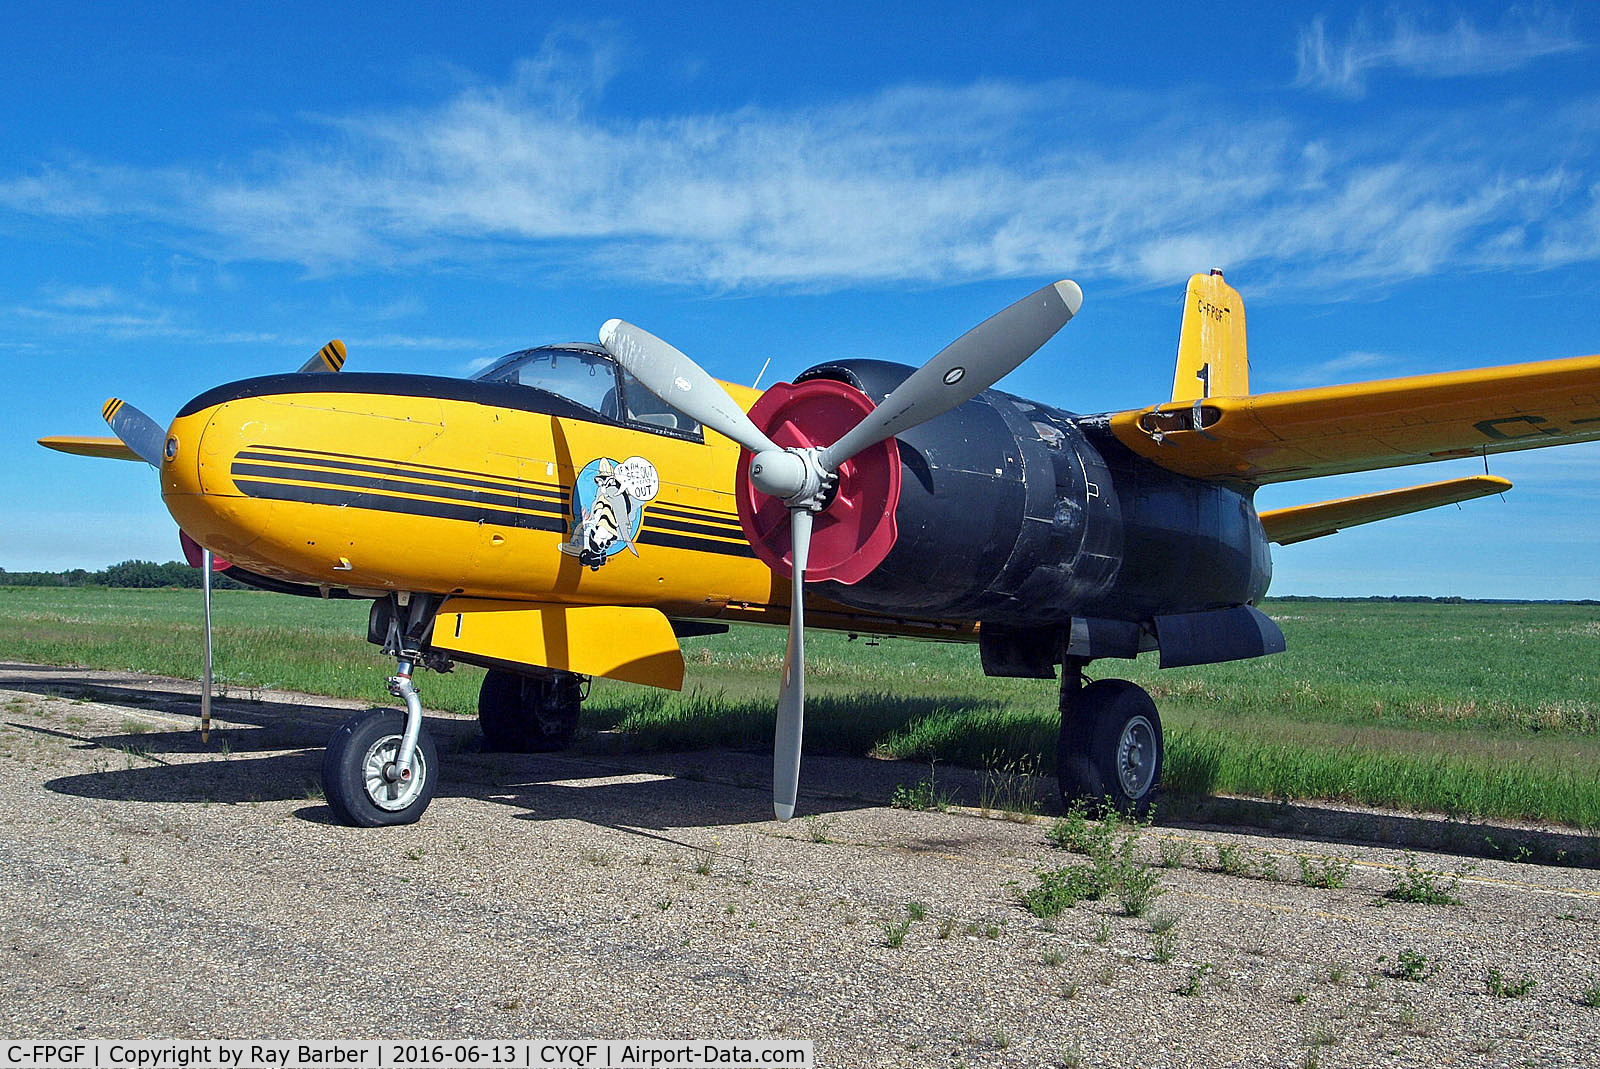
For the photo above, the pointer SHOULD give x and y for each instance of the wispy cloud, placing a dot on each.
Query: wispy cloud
(1340, 369)
(1457, 50)
(906, 185)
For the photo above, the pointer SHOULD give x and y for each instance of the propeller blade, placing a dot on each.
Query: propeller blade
(329, 358)
(681, 383)
(138, 431)
(965, 368)
(792, 698)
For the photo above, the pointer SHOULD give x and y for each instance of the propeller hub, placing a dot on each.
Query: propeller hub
(779, 473)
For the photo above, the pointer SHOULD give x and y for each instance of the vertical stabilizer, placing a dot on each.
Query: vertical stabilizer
(1212, 361)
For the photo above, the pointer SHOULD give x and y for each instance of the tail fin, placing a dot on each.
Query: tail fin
(1212, 360)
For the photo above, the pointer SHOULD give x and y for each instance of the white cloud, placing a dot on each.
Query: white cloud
(909, 184)
(1458, 50)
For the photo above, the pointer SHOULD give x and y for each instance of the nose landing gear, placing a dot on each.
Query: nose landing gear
(381, 766)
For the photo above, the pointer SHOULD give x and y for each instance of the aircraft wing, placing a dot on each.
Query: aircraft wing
(1300, 522)
(110, 448)
(1331, 430)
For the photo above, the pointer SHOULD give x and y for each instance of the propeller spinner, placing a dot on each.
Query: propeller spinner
(800, 476)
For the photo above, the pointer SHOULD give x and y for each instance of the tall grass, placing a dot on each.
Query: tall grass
(1478, 710)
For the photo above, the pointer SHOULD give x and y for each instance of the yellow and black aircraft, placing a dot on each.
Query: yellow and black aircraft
(573, 510)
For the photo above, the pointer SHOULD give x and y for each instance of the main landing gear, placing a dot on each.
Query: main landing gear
(532, 713)
(1110, 748)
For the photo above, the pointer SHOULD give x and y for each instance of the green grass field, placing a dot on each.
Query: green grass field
(1471, 710)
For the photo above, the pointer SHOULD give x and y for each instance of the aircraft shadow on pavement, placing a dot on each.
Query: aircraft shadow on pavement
(272, 751)
(268, 751)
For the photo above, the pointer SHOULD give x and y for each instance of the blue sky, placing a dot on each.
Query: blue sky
(196, 193)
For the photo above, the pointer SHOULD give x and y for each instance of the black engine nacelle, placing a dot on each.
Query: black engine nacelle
(1011, 514)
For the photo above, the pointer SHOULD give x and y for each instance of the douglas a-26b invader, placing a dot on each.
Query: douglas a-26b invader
(573, 510)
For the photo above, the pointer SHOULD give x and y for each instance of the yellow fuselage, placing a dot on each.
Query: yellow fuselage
(374, 491)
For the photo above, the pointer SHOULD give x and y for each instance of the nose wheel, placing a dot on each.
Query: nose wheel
(365, 784)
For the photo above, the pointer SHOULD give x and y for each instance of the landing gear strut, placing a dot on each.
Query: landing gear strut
(381, 766)
(1110, 748)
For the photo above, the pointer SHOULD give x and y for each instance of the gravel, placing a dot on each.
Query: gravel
(154, 886)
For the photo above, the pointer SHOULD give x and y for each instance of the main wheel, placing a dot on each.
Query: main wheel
(357, 771)
(534, 713)
(1110, 750)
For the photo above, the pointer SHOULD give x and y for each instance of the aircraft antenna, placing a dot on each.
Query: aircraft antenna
(756, 385)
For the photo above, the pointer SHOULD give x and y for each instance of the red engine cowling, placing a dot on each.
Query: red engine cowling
(856, 531)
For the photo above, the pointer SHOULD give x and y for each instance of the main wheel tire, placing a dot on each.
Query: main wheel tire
(353, 777)
(534, 713)
(1111, 749)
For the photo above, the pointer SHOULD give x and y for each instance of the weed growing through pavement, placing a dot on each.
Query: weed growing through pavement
(1115, 868)
(705, 857)
(1059, 889)
(1328, 872)
(916, 910)
(894, 932)
(1197, 976)
(817, 827)
(1172, 852)
(1500, 987)
(923, 795)
(1052, 957)
(1163, 945)
(1010, 787)
(1590, 995)
(909, 796)
(1425, 886)
(947, 928)
(1412, 965)
(1230, 861)
(1322, 1035)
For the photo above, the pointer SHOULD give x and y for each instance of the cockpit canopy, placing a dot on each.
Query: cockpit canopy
(587, 375)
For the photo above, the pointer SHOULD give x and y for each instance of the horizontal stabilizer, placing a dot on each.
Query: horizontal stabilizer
(1301, 522)
(109, 448)
(1331, 430)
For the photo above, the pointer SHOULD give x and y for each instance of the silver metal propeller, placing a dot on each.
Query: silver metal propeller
(801, 477)
(328, 358)
(138, 431)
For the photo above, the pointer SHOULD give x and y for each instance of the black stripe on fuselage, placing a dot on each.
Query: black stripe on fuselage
(380, 464)
(413, 471)
(366, 483)
(690, 517)
(343, 493)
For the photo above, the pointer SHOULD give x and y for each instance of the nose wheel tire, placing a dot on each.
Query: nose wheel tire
(1111, 749)
(358, 771)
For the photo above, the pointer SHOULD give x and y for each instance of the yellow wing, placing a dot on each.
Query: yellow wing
(109, 448)
(1300, 522)
(1331, 430)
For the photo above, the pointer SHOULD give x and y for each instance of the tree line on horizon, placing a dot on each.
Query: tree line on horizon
(139, 574)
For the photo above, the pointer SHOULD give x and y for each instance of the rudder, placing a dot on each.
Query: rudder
(1212, 358)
